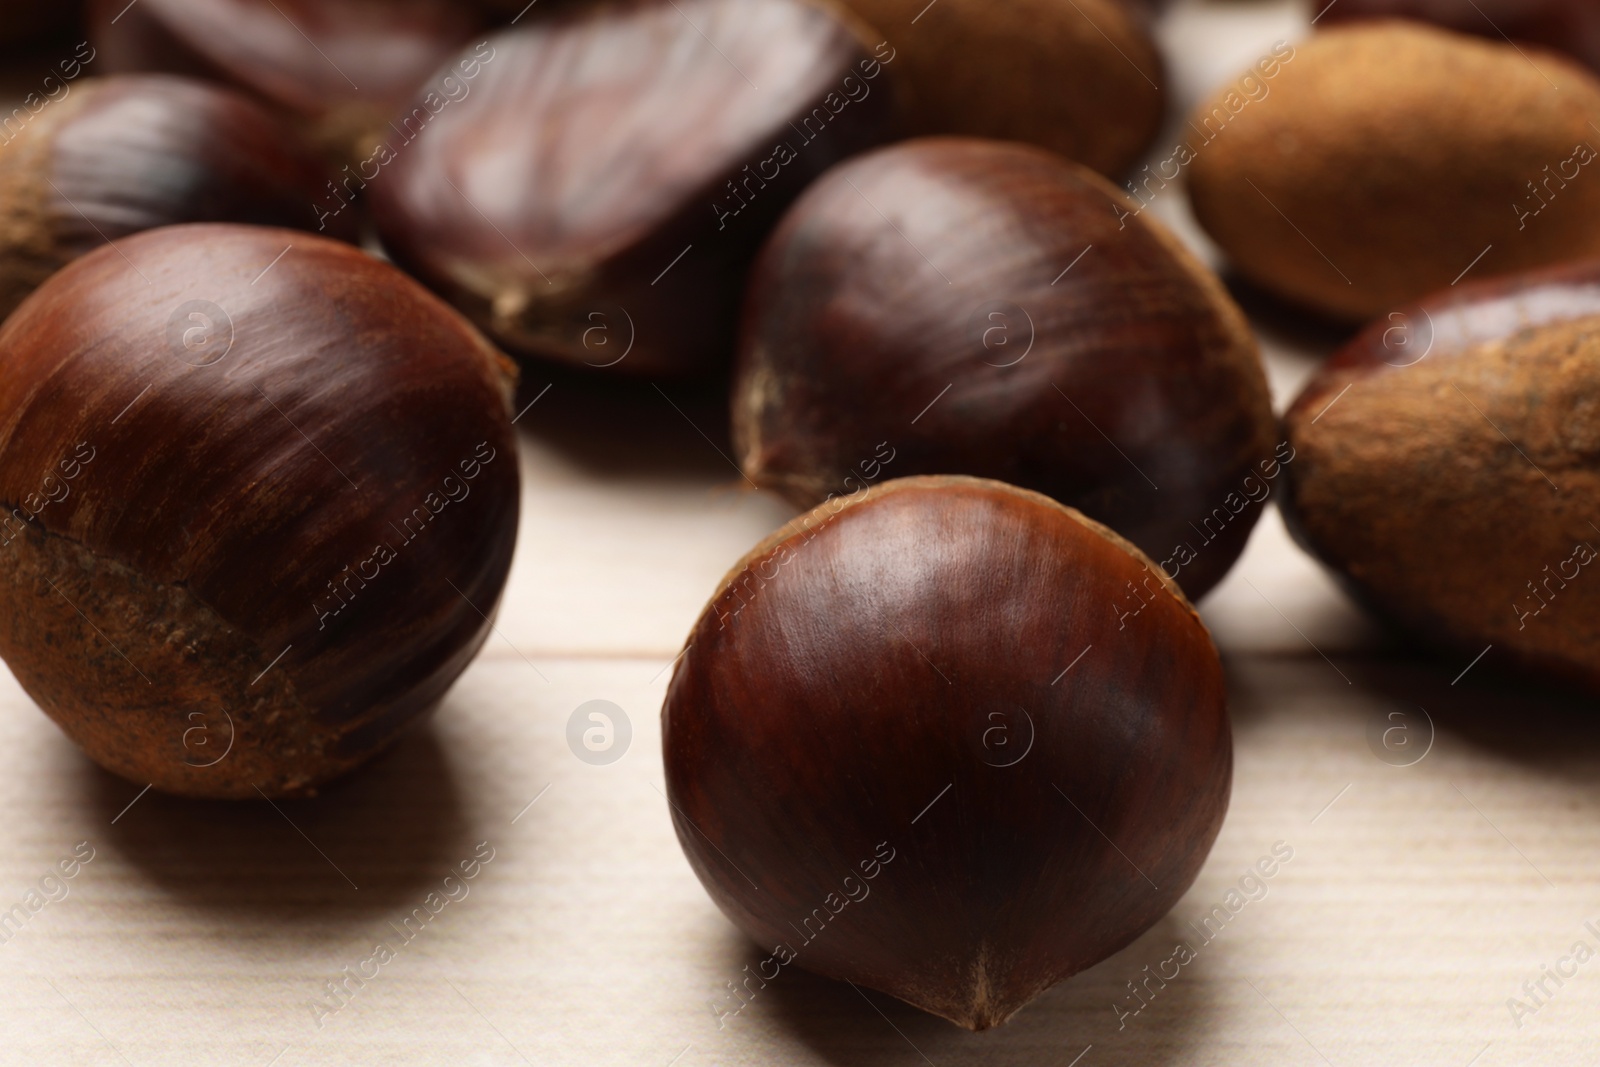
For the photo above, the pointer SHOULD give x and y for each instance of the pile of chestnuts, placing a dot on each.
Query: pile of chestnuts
(268, 270)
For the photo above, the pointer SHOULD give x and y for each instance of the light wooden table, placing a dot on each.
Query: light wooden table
(1418, 900)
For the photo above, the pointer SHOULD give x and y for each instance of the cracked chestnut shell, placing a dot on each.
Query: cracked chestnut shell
(947, 739)
(1572, 26)
(342, 67)
(117, 155)
(981, 308)
(1474, 414)
(260, 496)
(598, 197)
(1079, 77)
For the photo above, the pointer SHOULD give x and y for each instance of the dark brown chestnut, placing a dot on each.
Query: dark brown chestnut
(972, 307)
(947, 739)
(598, 197)
(1446, 468)
(1079, 77)
(112, 156)
(260, 497)
(344, 67)
(1572, 26)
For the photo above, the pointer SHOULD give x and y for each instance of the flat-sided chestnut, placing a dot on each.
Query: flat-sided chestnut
(342, 66)
(260, 496)
(111, 156)
(972, 307)
(1447, 470)
(598, 197)
(949, 740)
(1387, 160)
(1080, 77)
(1571, 25)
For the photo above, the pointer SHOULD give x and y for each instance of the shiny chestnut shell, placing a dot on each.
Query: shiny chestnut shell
(1446, 469)
(947, 739)
(342, 66)
(256, 484)
(990, 309)
(117, 155)
(597, 198)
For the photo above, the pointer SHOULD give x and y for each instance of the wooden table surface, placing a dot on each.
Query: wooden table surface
(1418, 902)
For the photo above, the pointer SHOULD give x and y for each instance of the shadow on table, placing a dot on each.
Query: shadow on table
(1504, 715)
(864, 1028)
(610, 426)
(377, 841)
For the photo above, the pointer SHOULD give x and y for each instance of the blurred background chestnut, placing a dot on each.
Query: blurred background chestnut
(1572, 26)
(256, 482)
(910, 726)
(597, 198)
(984, 308)
(1080, 77)
(112, 156)
(342, 67)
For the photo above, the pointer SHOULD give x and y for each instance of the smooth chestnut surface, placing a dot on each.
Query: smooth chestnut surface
(1386, 160)
(345, 66)
(117, 155)
(260, 497)
(598, 197)
(1570, 25)
(1079, 77)
(990, 309)
(910, 727)
(1471, 414)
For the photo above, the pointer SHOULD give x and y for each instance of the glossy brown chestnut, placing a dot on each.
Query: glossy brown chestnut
(1447, 470)
(973, 307)
(343, 66)
(1079, 77)
(1572, 26)
(260, 496)
(947, 739)
(111, 156)
(598, 197)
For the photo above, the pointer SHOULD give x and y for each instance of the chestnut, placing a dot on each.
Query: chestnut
(597, 198)
(948, 739)
(112, 156)
(952, 305)
(260, 497)
(1573, 26)
(1470, 414)
(343, 67)
(1079, 77)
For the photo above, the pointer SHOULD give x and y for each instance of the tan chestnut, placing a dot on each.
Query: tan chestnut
(1386, 160)
(1446, 470)
(1569, 25)
(951, 305)
(1081, 78)
(260, 497)
(949, 740)
(112, 156)
(598, 197)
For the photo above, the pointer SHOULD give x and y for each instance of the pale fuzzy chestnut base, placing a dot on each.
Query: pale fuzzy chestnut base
(28, 253)
(120, 662)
